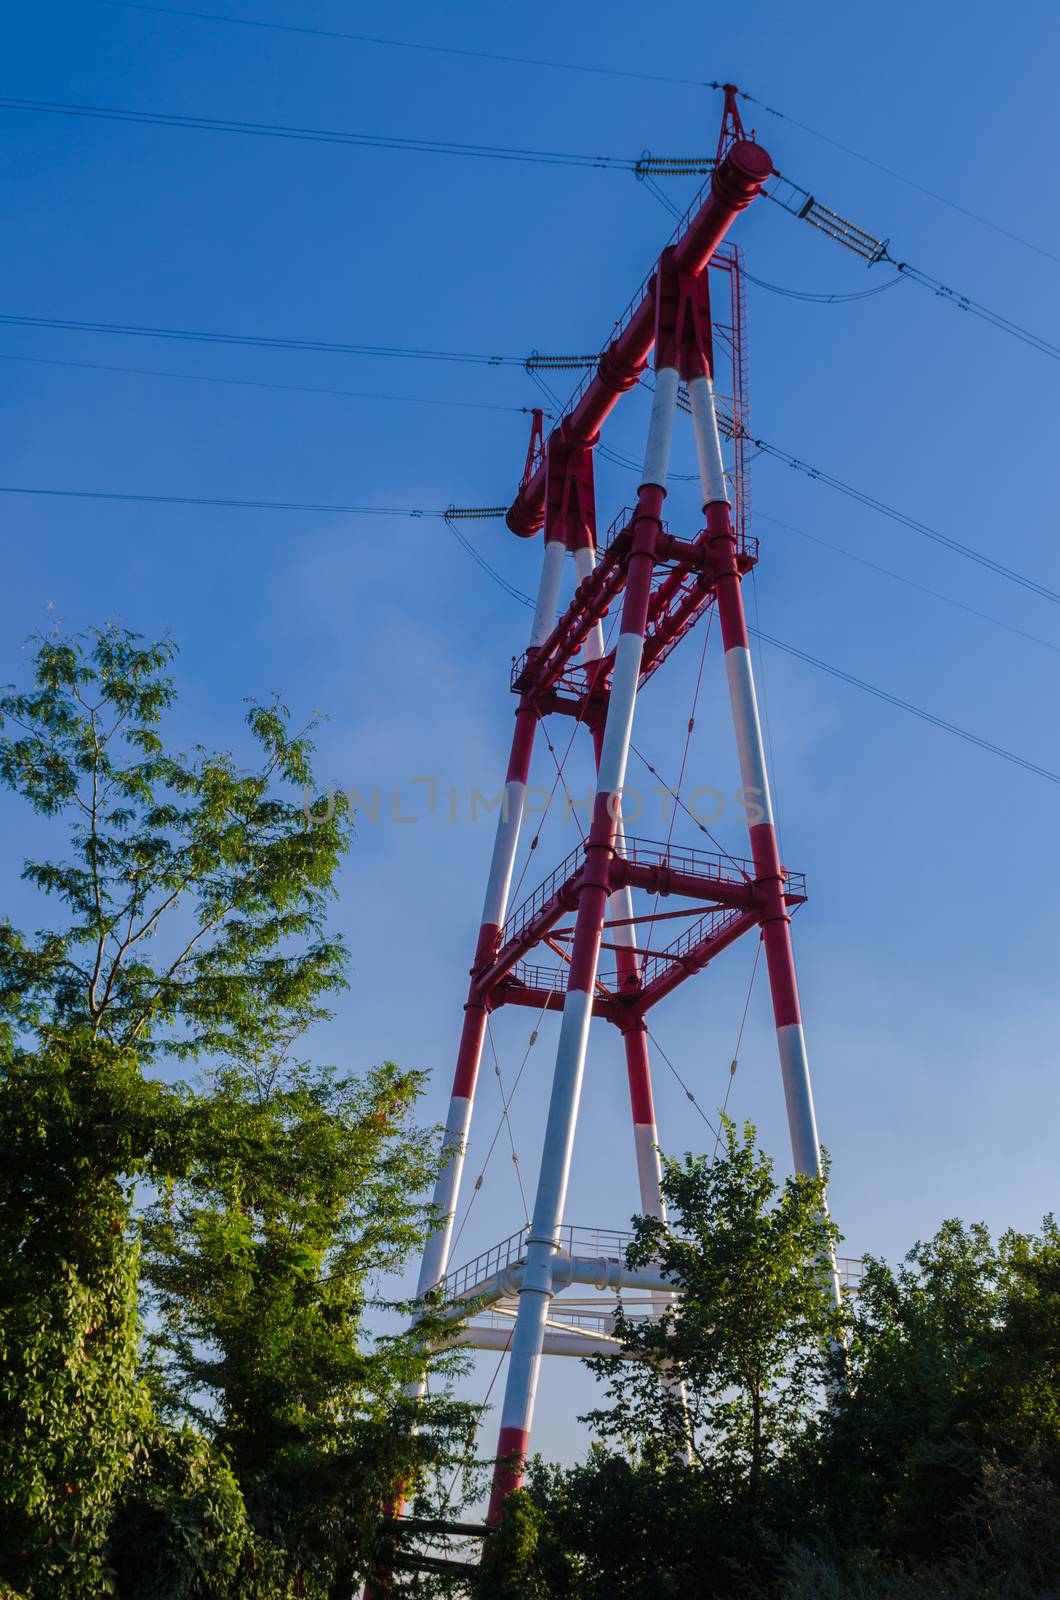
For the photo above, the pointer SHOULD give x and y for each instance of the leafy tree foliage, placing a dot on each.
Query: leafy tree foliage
(955, 1361)
(240, 1451)
(302, 1187)
(195, 896)
(73, 1127)
(736, 1367)
(932, 1472)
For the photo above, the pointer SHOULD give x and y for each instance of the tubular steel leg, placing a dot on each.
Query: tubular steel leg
(447, 1189)
(634, 1038)
(536, 1292)
(776, 932)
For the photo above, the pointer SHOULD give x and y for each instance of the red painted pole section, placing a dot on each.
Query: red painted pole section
(734, 185)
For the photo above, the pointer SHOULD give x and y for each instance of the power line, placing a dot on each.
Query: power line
(905, 705)
(491, 572)
(821, 299)
(510, 590)
(1000, 569)
(492, 152)
(910, 583)
(229, 503)
(274, 130)
(408, 44)
(800, 204)
(964, 302)
(254, 383)
(466, 357)
(264, 341)
(305, 506)
(901, 517)
(596, 71)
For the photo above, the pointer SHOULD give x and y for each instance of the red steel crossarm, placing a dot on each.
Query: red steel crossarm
(666, 880)
(735, 183)
(514, 992)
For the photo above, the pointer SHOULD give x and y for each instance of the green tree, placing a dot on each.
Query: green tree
(735, 1369)
(188, 919)
(955, 1368)
(195, 894)
(74, 1125)
(303, 1186)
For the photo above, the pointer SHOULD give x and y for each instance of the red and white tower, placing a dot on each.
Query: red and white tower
(659, 585)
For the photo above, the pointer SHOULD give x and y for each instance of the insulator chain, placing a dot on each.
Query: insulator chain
(535, 362)
(674, 166)
(473, 513)
(801, 203)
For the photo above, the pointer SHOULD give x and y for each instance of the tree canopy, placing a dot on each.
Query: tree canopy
(922, 1465)
(195, 1398)
(193, 896)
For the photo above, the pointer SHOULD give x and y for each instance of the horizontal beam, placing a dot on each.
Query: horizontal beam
(579, 1345)
(510, 992)
(695, 886)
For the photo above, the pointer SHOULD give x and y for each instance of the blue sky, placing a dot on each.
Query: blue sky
(927, 953)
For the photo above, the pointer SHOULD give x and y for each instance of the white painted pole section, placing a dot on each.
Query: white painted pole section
(661, 427)
(498, 886)
(649, 1169)
(625, 675)
(436, 1251)
(505, 846)
(798, 1096)
(708, 442)
(548, 592)
(584, 563)
(748, 726)
(536, 1294)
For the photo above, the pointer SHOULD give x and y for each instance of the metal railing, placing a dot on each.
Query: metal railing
(461, 1283)
(546, 891)
(580, 1241)
(706, 927)
(577, 1239)
(690, 859)
(851, 1272)
(620, 523)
